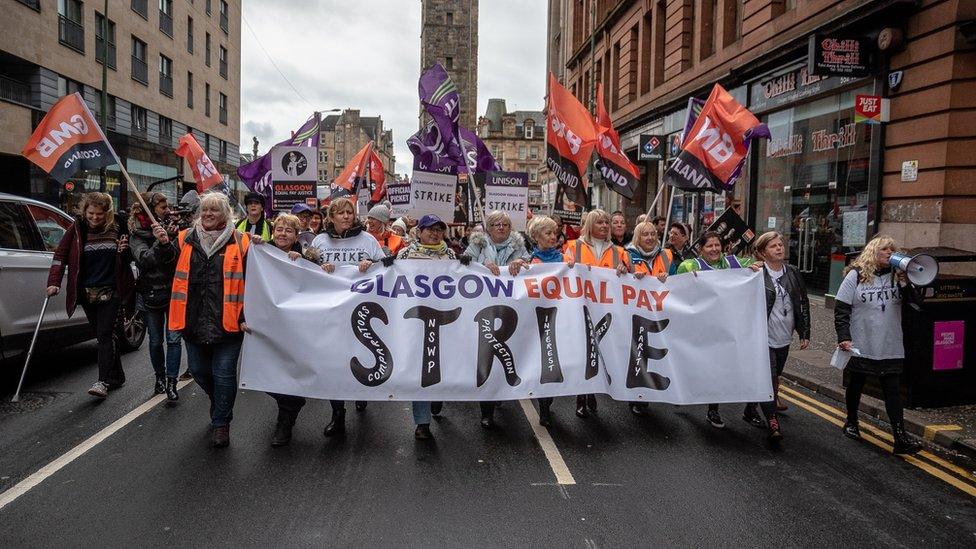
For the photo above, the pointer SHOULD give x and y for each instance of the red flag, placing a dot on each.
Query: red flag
(614, 164)
(68, 140)
(204, 172)
(570, 138)
(366, 160)
(377, 177)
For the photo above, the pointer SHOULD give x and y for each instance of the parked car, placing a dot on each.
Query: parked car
(29, 232)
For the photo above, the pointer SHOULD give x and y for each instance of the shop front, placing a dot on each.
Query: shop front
(816, 180)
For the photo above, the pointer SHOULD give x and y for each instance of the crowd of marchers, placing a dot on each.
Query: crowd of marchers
(190, 282)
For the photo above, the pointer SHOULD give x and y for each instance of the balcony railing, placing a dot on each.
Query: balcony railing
(71, 34)
(166, 23)
(224, 24)
(223, 68)
(138, 131)
(166, 84)
(141, 7)
(140, 70)
(100, 52)
(14, 90)
(223, 116)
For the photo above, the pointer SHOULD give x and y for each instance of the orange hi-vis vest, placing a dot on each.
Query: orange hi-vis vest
(233, 283)
(392, 242)
(662, 264)
(582, 253)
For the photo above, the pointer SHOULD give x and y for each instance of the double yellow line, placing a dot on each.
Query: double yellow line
(926, 461)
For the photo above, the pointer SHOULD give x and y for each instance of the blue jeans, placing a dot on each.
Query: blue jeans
(155, 328)
(421, 412)
(214, 368)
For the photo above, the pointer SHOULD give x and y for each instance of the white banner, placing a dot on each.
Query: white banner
(433, 193)
(436, 330)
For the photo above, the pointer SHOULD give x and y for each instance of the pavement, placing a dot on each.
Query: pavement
(132, 470)
(952, 427)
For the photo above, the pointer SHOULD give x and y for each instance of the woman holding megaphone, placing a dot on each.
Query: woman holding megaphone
(867, 317)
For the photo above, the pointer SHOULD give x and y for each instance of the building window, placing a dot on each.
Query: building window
(533, 175)
(323, 157)
(660, 15)
(71, 26)
(222, 108)
(209, 7)
(105, 40)
(528, 128)
(141, 7)
(139, 123)
(732, 30)
(189, 34)
(223, 62)
(165, 76)
(521, 152)
(534, 152)
(140, 69)
(224, 16)
(223, 151)
(67, 86)
(206, 56)
(449, 18)
(206, 99)
(165, 131)
(110, 118)
(206, 144)
(708, 28)
(189, 90)
(166, 17)
(449, 63)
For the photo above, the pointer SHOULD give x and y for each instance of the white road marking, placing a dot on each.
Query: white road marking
(559, 468)
(50, 469)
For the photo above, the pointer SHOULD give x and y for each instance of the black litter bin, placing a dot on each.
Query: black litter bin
(940, 338)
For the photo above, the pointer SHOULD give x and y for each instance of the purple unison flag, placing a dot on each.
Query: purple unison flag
(439, 97)
(428, 155)
(257, 173)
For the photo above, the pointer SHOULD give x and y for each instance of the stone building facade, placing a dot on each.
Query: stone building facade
(449, 36)
(173, 67)
(341, 136)
(825, 181)
(517, 140)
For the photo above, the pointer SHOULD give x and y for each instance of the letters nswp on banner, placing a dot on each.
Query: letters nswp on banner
(436, 330)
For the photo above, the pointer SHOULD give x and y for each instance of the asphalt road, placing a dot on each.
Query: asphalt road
(667, 479)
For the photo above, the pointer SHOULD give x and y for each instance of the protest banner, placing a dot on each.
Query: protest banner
(733, 230)
(399, 194)
(433, 193)
(294, 173)
(505, 192)
(570, 212)
(550, 331)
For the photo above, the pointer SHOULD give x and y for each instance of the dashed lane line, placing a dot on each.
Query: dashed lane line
(556, 462)
(61, 462)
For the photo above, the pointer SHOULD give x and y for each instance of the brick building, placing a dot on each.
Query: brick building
(517, 140)
(825, 181)
(173, 67)
(341, 136)
(449, 36)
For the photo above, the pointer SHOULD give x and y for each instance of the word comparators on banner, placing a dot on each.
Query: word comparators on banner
(437, 330)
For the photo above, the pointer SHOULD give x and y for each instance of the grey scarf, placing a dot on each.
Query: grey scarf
(212, 241)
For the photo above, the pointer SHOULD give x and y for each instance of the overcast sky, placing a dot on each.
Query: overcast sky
(365, 54)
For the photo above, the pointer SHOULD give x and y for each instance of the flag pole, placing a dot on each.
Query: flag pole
(125, 174)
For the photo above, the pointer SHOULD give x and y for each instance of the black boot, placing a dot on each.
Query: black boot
(581, 410)
(338, 424)
(282, 432)
(360, 405)
(488, 415)
(638, 408)
(435, 408)
(171, 392)
(545, 415)
(904, 444)
(160, 386)
(591, 403)
(851, 430)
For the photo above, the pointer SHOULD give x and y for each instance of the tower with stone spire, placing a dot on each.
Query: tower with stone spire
(449, 36)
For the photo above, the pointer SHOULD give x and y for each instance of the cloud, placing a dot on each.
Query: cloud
(366, 55)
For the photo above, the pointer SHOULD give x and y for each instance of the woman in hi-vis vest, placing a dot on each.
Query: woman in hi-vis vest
(595, 249)
(207, 306)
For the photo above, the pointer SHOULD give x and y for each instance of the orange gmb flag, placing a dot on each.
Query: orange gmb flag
(68, 140)
(356, 168)
(615, 167)
(204, 171)
(570, 138)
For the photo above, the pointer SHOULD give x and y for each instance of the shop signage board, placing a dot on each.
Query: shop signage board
(834, 55)
(790, 85)
(651, 147)
(871, 109)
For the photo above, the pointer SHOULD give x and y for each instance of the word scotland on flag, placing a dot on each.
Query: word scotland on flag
(618, 171)
(431, 330)
(570, 138)
(715, 147)
(68, 140)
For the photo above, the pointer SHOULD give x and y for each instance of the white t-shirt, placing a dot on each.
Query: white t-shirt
(348, 251)
(781, 318)
(875, 315)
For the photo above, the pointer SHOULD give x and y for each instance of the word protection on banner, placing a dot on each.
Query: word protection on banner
(436, 330)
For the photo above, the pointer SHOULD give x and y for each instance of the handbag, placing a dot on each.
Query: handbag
(155, 299)
(99, 294)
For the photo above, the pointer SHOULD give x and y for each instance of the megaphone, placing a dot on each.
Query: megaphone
(920, 269)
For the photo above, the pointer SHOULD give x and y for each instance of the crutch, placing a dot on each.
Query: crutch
(30, 350)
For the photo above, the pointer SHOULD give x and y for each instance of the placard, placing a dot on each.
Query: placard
(433, 193)
(398, 192)
(285, 194)
(503, 191)
(290, 163)
(570, 212)
(733, 230)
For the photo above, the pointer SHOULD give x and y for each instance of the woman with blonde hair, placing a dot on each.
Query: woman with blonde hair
(544, 231)
(95, 251)
(207, 306)
(867, 317)
(595, 249)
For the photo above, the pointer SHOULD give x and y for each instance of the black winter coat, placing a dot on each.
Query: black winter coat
(205, 295)
(793, 284)
(156, 262)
